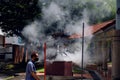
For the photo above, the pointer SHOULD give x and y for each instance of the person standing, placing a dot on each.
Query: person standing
(31, 69)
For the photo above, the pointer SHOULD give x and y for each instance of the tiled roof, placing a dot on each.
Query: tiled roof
(94, 29)
(97, 27)
(74, 36)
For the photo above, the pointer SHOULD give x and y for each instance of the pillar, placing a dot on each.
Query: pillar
(116, 55)
(104, 55)
(99, 55)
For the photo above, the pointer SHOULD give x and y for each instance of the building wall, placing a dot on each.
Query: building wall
(2, 56)
(102, 41)
(10, 49)
(2, 41)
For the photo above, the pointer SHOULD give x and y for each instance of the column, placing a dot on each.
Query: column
(116, 55)
(99, 55)
(104, 57)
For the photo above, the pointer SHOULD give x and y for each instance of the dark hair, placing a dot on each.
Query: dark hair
(33, 54)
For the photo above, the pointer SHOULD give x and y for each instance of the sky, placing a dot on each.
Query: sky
(1, 33)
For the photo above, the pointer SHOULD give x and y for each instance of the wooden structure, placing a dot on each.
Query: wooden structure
(12, 52)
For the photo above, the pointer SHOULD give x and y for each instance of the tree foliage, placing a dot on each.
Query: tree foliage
(15, 15)
(72, 11)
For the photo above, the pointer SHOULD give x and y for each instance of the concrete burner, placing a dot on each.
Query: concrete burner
(59, 68)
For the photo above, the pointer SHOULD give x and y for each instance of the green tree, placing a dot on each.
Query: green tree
(16, 14)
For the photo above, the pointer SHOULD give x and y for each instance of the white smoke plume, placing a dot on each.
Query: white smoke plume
(57, 16)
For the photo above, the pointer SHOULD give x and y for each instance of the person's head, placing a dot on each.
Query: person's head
(34, 56)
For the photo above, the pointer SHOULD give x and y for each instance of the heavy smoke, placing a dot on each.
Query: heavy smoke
(65, 18)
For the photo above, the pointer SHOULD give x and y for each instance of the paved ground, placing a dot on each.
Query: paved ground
(76, 76)
(2, 76)
(105, 75)
(21, 76)
(64, 78)
(18, 76)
